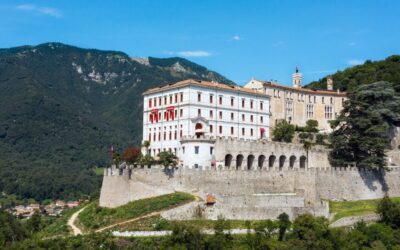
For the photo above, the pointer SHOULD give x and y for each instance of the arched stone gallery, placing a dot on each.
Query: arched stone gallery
(252, 161)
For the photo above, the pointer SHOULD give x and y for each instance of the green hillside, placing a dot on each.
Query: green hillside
(369, 72)
(63, 106)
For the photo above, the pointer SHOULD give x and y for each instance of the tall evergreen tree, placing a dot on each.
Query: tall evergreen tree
(361, 134)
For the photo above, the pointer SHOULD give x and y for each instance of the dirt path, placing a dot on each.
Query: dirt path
(71, 222)
(128, 221)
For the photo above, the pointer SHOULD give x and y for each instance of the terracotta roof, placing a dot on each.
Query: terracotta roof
(202, 83)
(304, 90)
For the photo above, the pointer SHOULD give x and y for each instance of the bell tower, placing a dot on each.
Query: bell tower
(297, 78)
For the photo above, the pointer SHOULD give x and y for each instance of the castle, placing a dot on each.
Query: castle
(221, 135)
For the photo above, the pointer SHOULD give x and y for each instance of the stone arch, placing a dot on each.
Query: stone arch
(239, 161)
(282, 161)
(228, 160)
(271, 161)
(292, 161)
(198, 129)
(303, 161)
(250, 161)
(261, 160)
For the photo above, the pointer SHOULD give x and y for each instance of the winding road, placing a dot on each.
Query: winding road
(71, 222)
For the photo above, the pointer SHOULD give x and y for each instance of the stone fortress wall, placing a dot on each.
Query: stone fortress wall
(250, 194)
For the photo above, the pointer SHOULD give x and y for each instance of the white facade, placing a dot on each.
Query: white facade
(202, 108)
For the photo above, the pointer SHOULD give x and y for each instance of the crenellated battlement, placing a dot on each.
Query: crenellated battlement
(126, 170)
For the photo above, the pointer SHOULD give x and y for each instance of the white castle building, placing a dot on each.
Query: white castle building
(186, 117)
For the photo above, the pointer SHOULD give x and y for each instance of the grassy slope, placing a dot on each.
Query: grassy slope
(94, 217)
(354, 208)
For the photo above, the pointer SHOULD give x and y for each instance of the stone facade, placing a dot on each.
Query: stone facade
(297, 105)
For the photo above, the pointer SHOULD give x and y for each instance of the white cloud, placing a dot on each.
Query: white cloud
(194, 53)
(44, 10)
(354, 62)
(236, 38)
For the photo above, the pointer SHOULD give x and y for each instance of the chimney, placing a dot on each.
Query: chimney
(329, 83)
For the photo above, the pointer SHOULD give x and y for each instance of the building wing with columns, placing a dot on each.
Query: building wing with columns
(297, 105)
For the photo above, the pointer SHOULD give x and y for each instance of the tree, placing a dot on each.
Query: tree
(361, 132)
(131, 155)
(146, 160)
(283, 131)
(283, 225)
(311, 126)
(389, 212)
(116, 159)
(167, 159)
(146, 144)
(34, 223)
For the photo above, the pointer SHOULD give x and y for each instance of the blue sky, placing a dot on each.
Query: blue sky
(239, 39)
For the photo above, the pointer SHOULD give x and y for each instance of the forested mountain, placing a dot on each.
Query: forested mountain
(369, 72)
(63, 106)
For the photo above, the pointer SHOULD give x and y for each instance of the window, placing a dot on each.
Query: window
(328, 112)
(220, 114)
(211, 98)
(232, 101)
(175, 135)
(196, 150)
(211, 128)
(220, 129)
(251, 132)
(243, 103)
(170, 99)
(211, 150)
(183, 149)
(199, 97)
(220, 100)
(261, 105)
(176, 113)
(310, 110)
(181, 97)
(261, 119)
(211, 114)
(165, 100)
(251, 118)
(315, 99)
(176, 98)
(232, 116)
(331, 100)
(170, 135)
(251, 104)
(243, 117)
(199, 112)
(279, 94)
(150, 102)
(274, 93)
(232, 130)
(289, 108)
(323, 99)
(159, 101)
(181, 112)
(243, 131)
(309, 98)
